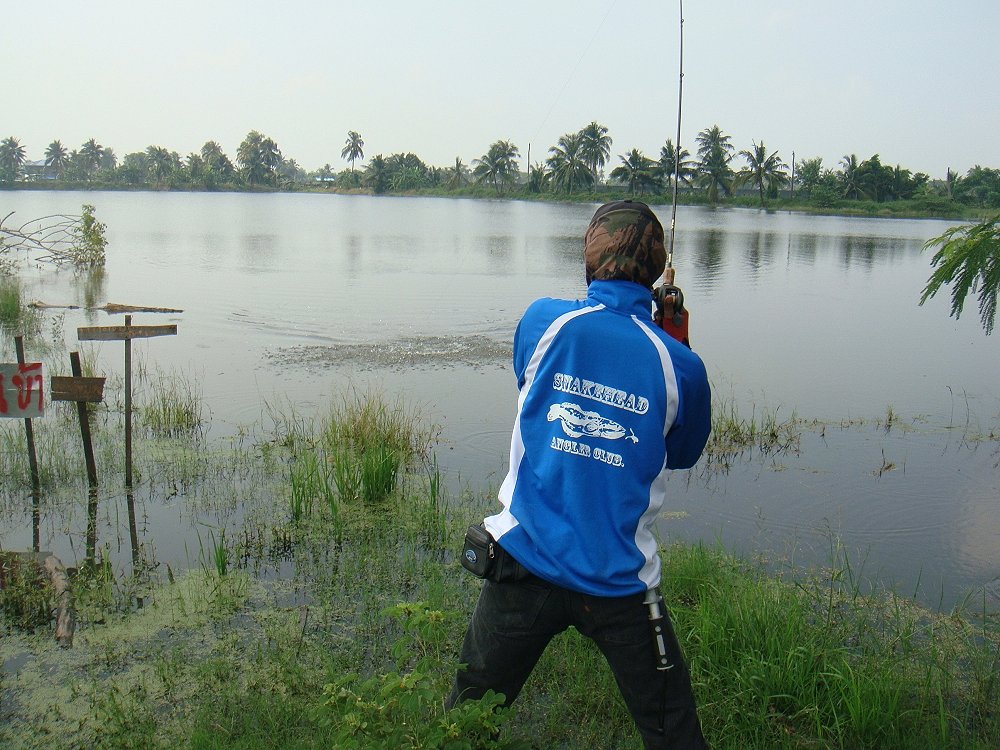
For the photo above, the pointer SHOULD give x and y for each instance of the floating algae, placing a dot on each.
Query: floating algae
(429, 352)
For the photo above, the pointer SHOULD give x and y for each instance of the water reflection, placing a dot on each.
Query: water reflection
(354, 253)
(500, 249)
(92, 288)
(865, 252)
(804, 247)
(709, 255)
(214, 246)
(858, 251)
(259, 250)
(564, 251)
(759, 250)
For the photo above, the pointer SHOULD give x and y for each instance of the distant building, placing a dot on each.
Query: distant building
(33, 171)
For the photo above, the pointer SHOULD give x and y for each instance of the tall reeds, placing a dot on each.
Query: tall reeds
(16, 317)
(172, 405)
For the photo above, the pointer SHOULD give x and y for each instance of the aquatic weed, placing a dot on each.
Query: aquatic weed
(174, 405)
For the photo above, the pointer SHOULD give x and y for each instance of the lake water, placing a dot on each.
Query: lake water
(298, 296)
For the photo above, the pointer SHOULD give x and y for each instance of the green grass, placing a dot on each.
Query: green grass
(736, 436)
(10, 303)
(171, 405)
(26, 599)
(16, 317)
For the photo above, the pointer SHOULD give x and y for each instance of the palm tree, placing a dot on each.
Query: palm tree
(595, 147)
(90, 157)
(458, 175)
(259, 158)
(498, 165)
(248, 158)
(353, 148)
(849, 178)
(159, 163)
(134, 169)
(11, 158)
(406, 171)
(713, 138)
(762, 170)
(216, 162)
(434, 176)
(637, 170)
(289, 170)
(57, 158)
(902, 184)
(668, 167)
(951, 179)
(715, 152)
(270, 157)
(194, 163)
(539, 178)
(108, 159)
(567, 162)
(377, 175)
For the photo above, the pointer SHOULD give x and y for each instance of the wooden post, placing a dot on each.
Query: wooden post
(126, 333)
(65, 616)
(90, 544)
(84, 415)
(29, 431)
(52, 567)
(36, 521)
(128, 403)
(133, 531)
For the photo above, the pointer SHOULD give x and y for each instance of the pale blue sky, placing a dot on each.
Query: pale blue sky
(914, 81)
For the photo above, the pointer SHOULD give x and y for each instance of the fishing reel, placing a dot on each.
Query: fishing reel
(670, 313)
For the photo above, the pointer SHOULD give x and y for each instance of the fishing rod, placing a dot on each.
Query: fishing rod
(671, 314)
(677, 146)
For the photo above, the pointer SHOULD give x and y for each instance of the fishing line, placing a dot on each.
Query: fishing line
(572, 73)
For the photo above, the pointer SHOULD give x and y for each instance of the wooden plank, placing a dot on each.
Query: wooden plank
(114, 307)
(122, 333)
(21, 390)
(65, 388)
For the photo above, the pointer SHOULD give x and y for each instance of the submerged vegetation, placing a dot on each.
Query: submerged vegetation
(16, 318)
(60, 239)
(323, 606)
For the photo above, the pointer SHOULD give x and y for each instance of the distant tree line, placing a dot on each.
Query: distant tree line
(575, 165)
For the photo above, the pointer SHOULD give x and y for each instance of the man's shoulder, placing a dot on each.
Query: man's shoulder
(553, 305)
(681, 355)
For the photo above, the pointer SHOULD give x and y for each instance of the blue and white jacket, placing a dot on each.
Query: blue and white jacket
(608, 404)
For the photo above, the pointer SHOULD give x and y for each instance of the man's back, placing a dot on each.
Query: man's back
(601, 387)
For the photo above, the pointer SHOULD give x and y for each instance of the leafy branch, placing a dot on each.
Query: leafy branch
(60, 239)
(968, 258)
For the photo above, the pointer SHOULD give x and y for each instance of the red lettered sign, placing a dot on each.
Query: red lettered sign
(21, 392)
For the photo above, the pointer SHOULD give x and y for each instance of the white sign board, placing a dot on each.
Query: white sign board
(21, 392)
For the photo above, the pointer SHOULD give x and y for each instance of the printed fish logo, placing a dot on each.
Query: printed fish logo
(577, 422)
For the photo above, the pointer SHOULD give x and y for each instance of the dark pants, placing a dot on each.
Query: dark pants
(514, 622)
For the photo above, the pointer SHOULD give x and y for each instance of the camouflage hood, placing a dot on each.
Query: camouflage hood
(624, 242)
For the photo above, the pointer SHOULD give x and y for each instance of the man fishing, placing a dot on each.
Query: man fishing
(608, 404)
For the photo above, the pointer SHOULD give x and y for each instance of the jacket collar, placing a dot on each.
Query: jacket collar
(623, 296)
